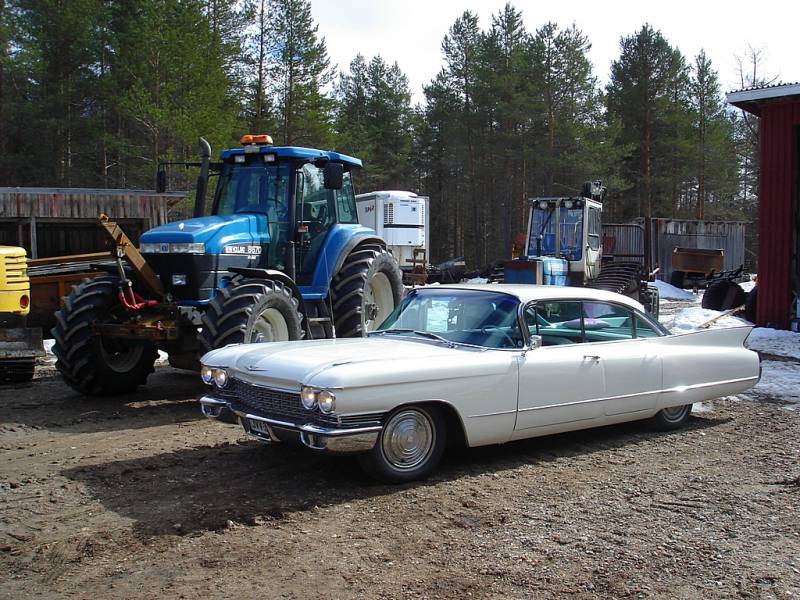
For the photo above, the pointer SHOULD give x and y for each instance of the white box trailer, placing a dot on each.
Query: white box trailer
(400, 218)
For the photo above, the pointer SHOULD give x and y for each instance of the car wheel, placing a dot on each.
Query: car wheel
(673, 417)
(409, 447)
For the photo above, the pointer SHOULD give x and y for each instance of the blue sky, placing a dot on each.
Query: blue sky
(411, 31)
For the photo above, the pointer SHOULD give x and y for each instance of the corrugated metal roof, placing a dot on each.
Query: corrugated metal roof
(751, 99)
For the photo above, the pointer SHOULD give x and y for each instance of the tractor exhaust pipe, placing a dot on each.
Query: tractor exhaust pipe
(202, 179)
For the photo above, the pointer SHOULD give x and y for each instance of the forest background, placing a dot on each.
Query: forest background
(94, 93)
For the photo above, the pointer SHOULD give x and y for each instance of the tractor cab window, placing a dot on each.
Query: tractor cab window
(254, 188)
(346, 201)
(543, 231)
(594, 228)
(571, 233)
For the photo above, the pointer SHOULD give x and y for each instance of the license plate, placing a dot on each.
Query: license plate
(257, 426)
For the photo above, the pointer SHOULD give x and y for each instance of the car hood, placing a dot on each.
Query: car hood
(344, 362)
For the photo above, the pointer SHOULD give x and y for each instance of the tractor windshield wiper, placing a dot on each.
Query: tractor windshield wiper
(425, 334)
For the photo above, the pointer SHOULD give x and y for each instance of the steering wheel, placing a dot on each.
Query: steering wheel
(490, 330)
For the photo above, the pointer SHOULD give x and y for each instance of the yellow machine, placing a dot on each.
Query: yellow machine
(19, 345)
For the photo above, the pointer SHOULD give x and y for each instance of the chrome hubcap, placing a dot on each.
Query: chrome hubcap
(270, 326)
(408, 439)
(378, 300)
(675, 413)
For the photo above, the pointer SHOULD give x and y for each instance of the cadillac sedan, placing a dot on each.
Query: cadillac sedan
(476, 365)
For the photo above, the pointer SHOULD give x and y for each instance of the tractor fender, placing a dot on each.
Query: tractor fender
(256, 273)
(356, 240)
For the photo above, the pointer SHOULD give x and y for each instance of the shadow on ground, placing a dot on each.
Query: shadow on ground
(169, 397)
(203, 487)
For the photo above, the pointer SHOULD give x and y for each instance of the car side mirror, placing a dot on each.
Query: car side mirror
(333, 175)
(536, 342)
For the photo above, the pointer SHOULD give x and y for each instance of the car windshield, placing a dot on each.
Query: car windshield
(475, 317)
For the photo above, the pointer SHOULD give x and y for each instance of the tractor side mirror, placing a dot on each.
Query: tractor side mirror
(161, 181)
(333, 174)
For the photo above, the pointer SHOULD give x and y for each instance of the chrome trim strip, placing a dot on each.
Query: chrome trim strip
(494, 414)
(683, 388)
(589, 401)
(679, 388)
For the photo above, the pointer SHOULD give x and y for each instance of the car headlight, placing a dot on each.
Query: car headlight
(220, 377)
(207, 375)
(326, 402)
(308, 396)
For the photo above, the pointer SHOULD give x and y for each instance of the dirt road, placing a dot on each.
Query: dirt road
(144, 498)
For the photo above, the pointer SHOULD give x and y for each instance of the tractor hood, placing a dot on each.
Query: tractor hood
(213, 231)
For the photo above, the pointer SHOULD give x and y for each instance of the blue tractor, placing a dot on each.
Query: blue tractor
(281, 257)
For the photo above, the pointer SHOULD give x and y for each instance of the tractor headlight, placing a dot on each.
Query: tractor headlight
(308, 396)
(326, 402)
(187, 248)
(220, 377)
(207, 375)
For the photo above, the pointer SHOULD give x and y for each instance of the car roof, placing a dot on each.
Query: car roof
(529, 292)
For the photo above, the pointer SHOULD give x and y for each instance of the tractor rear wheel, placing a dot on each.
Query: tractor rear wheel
(365, 290)
(250, 311)
(723, 295)
(91, 364)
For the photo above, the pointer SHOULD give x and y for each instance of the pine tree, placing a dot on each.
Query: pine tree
(299, 71)
(646, 95)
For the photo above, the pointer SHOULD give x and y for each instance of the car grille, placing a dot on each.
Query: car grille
(285, 406)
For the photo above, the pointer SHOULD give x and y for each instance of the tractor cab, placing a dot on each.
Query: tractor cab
(563, 241)
(273, 208)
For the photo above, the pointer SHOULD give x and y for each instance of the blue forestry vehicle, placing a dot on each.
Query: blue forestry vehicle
(280, 257)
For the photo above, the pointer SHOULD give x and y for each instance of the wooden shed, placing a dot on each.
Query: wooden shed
(60, 221)
(778, 109)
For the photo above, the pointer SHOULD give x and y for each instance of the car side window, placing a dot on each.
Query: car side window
(645, 329)
(606, 322)
(559, 322)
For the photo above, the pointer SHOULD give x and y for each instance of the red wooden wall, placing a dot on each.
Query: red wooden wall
(776, 217)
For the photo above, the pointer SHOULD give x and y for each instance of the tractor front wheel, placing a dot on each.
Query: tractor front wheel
(365, 290)
(250, 311)
(90, 363)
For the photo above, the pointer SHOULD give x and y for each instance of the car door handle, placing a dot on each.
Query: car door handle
(591, 357)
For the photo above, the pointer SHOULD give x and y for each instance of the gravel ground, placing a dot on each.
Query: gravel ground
(141, 497)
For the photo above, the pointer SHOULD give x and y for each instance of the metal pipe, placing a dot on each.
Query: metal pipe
(202, 178)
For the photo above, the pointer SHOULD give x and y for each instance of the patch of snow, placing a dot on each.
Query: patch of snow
(747, 285)
(690, 319)
(48, 346)
(476, 280)
(780, 384)
(670, 292)
(702, 407)
(163, 358)
(775, 341)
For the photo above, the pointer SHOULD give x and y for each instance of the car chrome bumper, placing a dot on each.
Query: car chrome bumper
(338, 441)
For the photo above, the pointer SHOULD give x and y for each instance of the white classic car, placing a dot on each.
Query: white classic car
(476, 364)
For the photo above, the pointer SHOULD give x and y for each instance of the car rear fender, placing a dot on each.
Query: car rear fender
(707, 364)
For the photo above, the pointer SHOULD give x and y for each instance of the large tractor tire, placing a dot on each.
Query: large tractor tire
(365, 290)
(723, 295)
(250, 311)
(89, 363)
